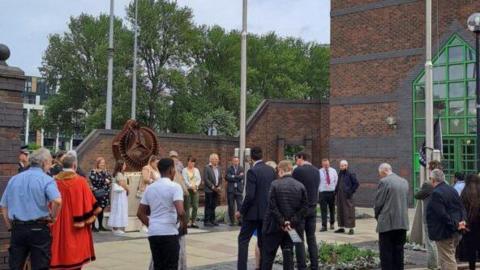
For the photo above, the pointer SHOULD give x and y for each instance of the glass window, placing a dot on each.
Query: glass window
(472, 107)
(439, 91)
(442, 59)
(455, 54)
(470, 55)
(420, 109)
(419, 142)
(420, 126)
(472, 125)
(456, 108)
(439, 108)
(471, 88)
(471, 71)
(420, 92)
(457, 126)
(456, 72)
(439, 73)
(456, 90)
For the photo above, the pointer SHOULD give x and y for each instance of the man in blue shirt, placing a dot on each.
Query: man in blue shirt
(26, 213)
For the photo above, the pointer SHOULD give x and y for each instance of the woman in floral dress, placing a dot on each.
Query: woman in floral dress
(101, 182)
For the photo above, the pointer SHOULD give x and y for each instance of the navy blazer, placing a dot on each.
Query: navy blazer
(444, 211)
(259, 179)
(234, 180)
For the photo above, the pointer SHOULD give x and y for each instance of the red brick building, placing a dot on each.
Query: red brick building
(377, 62)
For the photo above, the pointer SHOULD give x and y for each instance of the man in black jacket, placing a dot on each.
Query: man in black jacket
(445, 219)
(287, 206)
(254, 206)
(234, 177)
(309, 176)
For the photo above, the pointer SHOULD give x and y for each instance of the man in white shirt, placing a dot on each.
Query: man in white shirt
(328, 183)
(160, 209)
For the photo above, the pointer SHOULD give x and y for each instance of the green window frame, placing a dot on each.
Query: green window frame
(454, 102)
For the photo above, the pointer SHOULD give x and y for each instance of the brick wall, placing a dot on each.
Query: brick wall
(12, 82)
(377, 51)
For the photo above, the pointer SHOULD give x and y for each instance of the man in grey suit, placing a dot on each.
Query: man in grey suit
(391, 212)
(213, 186)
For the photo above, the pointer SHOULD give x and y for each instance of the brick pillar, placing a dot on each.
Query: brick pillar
(12, 83)
(280, 149)
(308, 143)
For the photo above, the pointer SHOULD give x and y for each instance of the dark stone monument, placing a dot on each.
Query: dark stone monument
(12, 84)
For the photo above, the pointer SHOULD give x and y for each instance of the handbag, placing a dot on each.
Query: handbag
(100, 193)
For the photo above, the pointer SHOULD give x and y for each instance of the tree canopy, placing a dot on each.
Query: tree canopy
(188, 75)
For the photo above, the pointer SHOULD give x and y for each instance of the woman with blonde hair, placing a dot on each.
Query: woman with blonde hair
(101, 182)
(150, 173)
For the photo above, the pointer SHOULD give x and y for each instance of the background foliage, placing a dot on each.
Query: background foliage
(188, 75)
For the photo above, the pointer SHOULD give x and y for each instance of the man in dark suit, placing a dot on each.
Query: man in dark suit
(213, 186)
(309, 176)
(254, 206)
(446, 217)
(234, 177)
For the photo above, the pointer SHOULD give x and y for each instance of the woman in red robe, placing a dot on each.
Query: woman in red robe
(72, 242)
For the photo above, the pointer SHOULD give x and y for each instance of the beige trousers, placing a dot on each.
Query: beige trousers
(446, 252)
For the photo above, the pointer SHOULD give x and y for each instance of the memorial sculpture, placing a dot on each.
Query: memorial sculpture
(135, 144)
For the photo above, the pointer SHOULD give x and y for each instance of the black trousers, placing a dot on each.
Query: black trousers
(165, 251)
(234, 201)
(327, 202)
(391, 249)
(246, 232)
(34, 239)
(271, 242)
(210, 205)
(309, 229)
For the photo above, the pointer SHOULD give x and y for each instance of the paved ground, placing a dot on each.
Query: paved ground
(213, 248)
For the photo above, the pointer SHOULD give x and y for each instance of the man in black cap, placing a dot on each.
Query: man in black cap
(23, 159)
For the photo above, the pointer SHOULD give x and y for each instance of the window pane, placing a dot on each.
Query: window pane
(456, 72)
(471, 71)
(420, 126)
(419, 142)
(439, 108)
(471, 107)
(442, 59)
(439, 91)
(420, 92)
(456, 90)
(455, 54)
(472, 125)
(471, 88)
(457, 108)
(470, 55)
(439, 73)
(457, 125)
(420, 110)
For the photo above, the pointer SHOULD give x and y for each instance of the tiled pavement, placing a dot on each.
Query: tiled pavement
(207, 249)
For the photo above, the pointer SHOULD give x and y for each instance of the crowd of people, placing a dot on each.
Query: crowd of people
(52, 208)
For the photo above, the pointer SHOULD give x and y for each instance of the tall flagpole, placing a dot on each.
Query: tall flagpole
(134, 75)
(108, 117)
(243, 84)
(429, 136)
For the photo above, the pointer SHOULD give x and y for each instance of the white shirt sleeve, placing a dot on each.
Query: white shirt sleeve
(177, 193)
(334, 177)
(198, 177)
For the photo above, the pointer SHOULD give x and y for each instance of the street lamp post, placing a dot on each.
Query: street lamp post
(243, 84)
(134, 75)
(474, 26)
(108, 116)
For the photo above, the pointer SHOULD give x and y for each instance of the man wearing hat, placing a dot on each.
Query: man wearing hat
(23, 159)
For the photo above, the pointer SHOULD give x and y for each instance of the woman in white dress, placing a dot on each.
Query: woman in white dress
(118, 219)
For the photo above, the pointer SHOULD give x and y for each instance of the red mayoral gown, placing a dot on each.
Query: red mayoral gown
(72, 242)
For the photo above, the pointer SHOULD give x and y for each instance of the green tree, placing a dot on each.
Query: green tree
(75, 63)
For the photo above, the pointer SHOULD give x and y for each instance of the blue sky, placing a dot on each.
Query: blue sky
(26, 24)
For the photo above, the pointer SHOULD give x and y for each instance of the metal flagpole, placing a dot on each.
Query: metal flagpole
(134, 70)
(429, 136)
(243, 84)
(108, 117)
